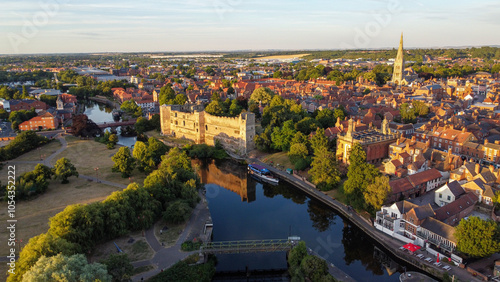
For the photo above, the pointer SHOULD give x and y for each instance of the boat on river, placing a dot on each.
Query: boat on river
(262, 173)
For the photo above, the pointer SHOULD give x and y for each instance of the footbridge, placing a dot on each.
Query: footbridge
(249, 246)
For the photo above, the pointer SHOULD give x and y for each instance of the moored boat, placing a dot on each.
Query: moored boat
(262, 173)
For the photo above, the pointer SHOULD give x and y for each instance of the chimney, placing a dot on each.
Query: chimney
(464, 129)
(497, 142)
(486, 141)
(413, 138)
(492, 168)
(478, 168)
(398, 141)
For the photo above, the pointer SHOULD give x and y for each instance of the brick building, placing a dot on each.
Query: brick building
(45, 121)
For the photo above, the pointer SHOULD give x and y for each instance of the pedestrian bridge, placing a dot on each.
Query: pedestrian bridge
(249, 246)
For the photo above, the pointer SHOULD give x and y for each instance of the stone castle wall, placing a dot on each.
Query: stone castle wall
(235, 134)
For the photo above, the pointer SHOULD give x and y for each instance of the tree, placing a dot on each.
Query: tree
(215, 108)
(339, 113)
(407, 113)
(377, 192)
(167, 95)
(326, 118)
(307, 125)
(119, 267)
(324, 170)
(112, 140)
(142, 155)
(177, 212)
(124, 162)
(295, 257)
(299, 156)
(235, 109)
(281, 137)
(64, 169)
(360, 174)
(314, 268)
(477, 237)
(180, 99)
(262, 95)
(319, 140)
(63, 268)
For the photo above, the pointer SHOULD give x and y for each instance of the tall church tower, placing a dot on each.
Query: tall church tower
(399, 64)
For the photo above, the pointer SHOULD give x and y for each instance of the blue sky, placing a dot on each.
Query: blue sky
(54, 26)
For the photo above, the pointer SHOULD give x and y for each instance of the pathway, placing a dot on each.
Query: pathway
(64, 144)
(389, 243)
(166, 257)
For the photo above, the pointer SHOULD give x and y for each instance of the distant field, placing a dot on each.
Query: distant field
(282, 57)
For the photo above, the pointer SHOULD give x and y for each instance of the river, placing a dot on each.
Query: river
(245, 209)
(99, 113)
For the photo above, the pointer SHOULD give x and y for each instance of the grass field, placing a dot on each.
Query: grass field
(282, 57)
(87, 155)
(280, 159)
(136, 249)
(168, 237)
(180, 141)
(44, 151)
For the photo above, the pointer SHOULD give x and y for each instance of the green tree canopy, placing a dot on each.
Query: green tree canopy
(64, 169)
(360, 174)
(262, 94)
(324, 170)
(477, 237)
(62, 268)
(119, 266)
(123, 162)
(377, 192)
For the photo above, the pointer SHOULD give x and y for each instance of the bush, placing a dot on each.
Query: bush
(189, 246)
(203, 151)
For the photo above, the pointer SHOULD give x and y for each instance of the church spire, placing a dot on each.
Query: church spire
(399, 64)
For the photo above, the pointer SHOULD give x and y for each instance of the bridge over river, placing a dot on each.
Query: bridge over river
(250, 246)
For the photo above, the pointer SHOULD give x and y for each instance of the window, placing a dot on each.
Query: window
(449, 198)
(440, 195)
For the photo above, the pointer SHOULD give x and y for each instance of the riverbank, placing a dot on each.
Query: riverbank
(390, 244)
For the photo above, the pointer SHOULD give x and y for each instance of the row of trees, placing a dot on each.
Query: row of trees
(23, 143)
(79, 228)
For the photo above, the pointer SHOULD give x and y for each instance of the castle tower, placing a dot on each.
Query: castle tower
(399, 64)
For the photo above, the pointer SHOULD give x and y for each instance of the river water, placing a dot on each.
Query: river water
(100, 113)
(245, 209)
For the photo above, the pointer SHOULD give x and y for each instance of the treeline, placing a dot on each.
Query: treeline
(79, 228)
(23, 143)
(34, 76)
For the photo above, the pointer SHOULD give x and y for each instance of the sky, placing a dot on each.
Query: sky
(91, 26)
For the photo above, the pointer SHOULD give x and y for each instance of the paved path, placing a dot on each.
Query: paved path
(166, 257)
(390, 244)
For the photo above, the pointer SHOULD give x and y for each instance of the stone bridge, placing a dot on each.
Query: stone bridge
(114, 125)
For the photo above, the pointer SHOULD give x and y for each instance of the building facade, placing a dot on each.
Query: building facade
(375, 143)
(45, 121)
(192, 122)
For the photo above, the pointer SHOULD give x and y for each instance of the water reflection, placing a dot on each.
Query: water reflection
(243, 209)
